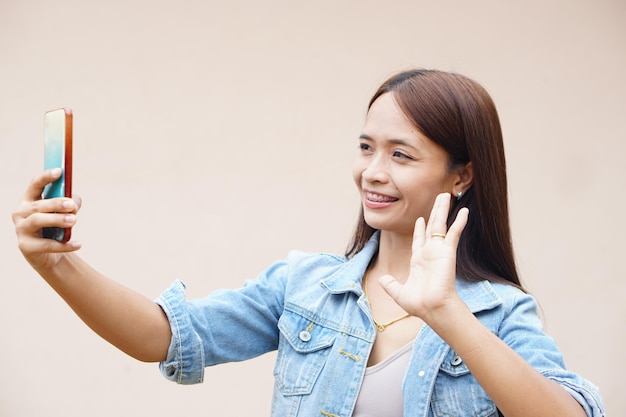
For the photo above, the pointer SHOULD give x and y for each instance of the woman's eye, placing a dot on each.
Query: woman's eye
(398, 154)
(365, 147)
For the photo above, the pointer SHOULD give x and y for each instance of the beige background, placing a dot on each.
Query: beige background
(213, 137)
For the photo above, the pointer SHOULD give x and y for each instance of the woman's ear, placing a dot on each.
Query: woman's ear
(464, 180)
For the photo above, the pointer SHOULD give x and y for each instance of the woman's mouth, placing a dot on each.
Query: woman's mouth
(379, 198)
(378, 201)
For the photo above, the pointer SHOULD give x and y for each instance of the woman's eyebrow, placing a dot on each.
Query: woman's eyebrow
(401, 142)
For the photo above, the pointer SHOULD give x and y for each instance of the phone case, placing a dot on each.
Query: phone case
(58, 154)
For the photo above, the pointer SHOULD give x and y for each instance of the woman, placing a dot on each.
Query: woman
(424, 316)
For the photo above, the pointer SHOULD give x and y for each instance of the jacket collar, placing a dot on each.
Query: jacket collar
(478, 296)
(347, 278)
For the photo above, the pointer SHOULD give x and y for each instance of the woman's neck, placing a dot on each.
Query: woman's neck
(394, 255)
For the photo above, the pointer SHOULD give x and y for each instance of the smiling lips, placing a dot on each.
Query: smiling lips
(375, 200)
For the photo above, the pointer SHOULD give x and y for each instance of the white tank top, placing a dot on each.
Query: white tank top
(381, 391)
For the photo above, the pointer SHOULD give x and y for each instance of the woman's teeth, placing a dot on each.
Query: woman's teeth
(379, 198)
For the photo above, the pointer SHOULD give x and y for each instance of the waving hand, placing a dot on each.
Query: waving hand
(431, 282)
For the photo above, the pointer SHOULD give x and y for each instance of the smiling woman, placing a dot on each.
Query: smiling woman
(452, 124)
(399, 170)
(426, 306)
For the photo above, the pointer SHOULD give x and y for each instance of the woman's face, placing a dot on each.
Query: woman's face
(399, 171)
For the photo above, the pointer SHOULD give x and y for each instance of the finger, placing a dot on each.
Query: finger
(35, 188)
(52, 205)
(391, 286)
(419, 235)
(30, 245)
(32, 225)
(78, 201)
(456, 228)
(437, 222)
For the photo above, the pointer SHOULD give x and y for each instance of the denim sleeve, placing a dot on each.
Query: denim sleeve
(226, 326)
(185, 356)
(522, 330)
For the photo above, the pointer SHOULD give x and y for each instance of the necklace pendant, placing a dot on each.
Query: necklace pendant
(381, 327)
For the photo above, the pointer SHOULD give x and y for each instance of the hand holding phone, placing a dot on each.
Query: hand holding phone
(58, 154)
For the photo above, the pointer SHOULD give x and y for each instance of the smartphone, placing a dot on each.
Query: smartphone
(58, 154)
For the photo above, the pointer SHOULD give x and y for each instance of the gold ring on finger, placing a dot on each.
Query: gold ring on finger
(443, 235)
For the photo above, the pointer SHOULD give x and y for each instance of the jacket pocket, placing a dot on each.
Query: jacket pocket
(457, 393)
(302, 352)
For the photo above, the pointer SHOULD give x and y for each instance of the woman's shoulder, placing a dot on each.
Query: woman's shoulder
(298, 256)
(307, 263)
(313, 260)
(483, 295)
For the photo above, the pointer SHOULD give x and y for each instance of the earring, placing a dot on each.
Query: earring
(459, 194)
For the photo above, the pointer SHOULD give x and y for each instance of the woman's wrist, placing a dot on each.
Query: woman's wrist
(456, 325)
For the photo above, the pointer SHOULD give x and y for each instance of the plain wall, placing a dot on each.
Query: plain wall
(211, 138)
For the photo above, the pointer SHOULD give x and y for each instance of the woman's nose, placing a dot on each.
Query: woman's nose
(376, 171)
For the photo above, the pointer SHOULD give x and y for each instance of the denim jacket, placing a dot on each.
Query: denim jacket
(312, 309)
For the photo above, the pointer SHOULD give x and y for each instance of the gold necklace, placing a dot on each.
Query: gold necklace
(381, 327)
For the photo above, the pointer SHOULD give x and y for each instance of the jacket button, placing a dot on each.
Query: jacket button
(456, 361)
(305, 336)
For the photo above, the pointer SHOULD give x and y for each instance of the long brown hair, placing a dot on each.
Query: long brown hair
(458, 114)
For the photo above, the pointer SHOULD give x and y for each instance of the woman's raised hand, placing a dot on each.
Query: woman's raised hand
(430, 285)
(35, 213)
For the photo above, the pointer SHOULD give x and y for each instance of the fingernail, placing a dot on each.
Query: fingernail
(56, 171)
(68, 204)
(69, 219)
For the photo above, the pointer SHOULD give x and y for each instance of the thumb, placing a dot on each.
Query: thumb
(391, 286)
(78, 201)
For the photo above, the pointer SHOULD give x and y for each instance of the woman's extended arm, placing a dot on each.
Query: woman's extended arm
(125, 318)
(511, 382)
(429, 293)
